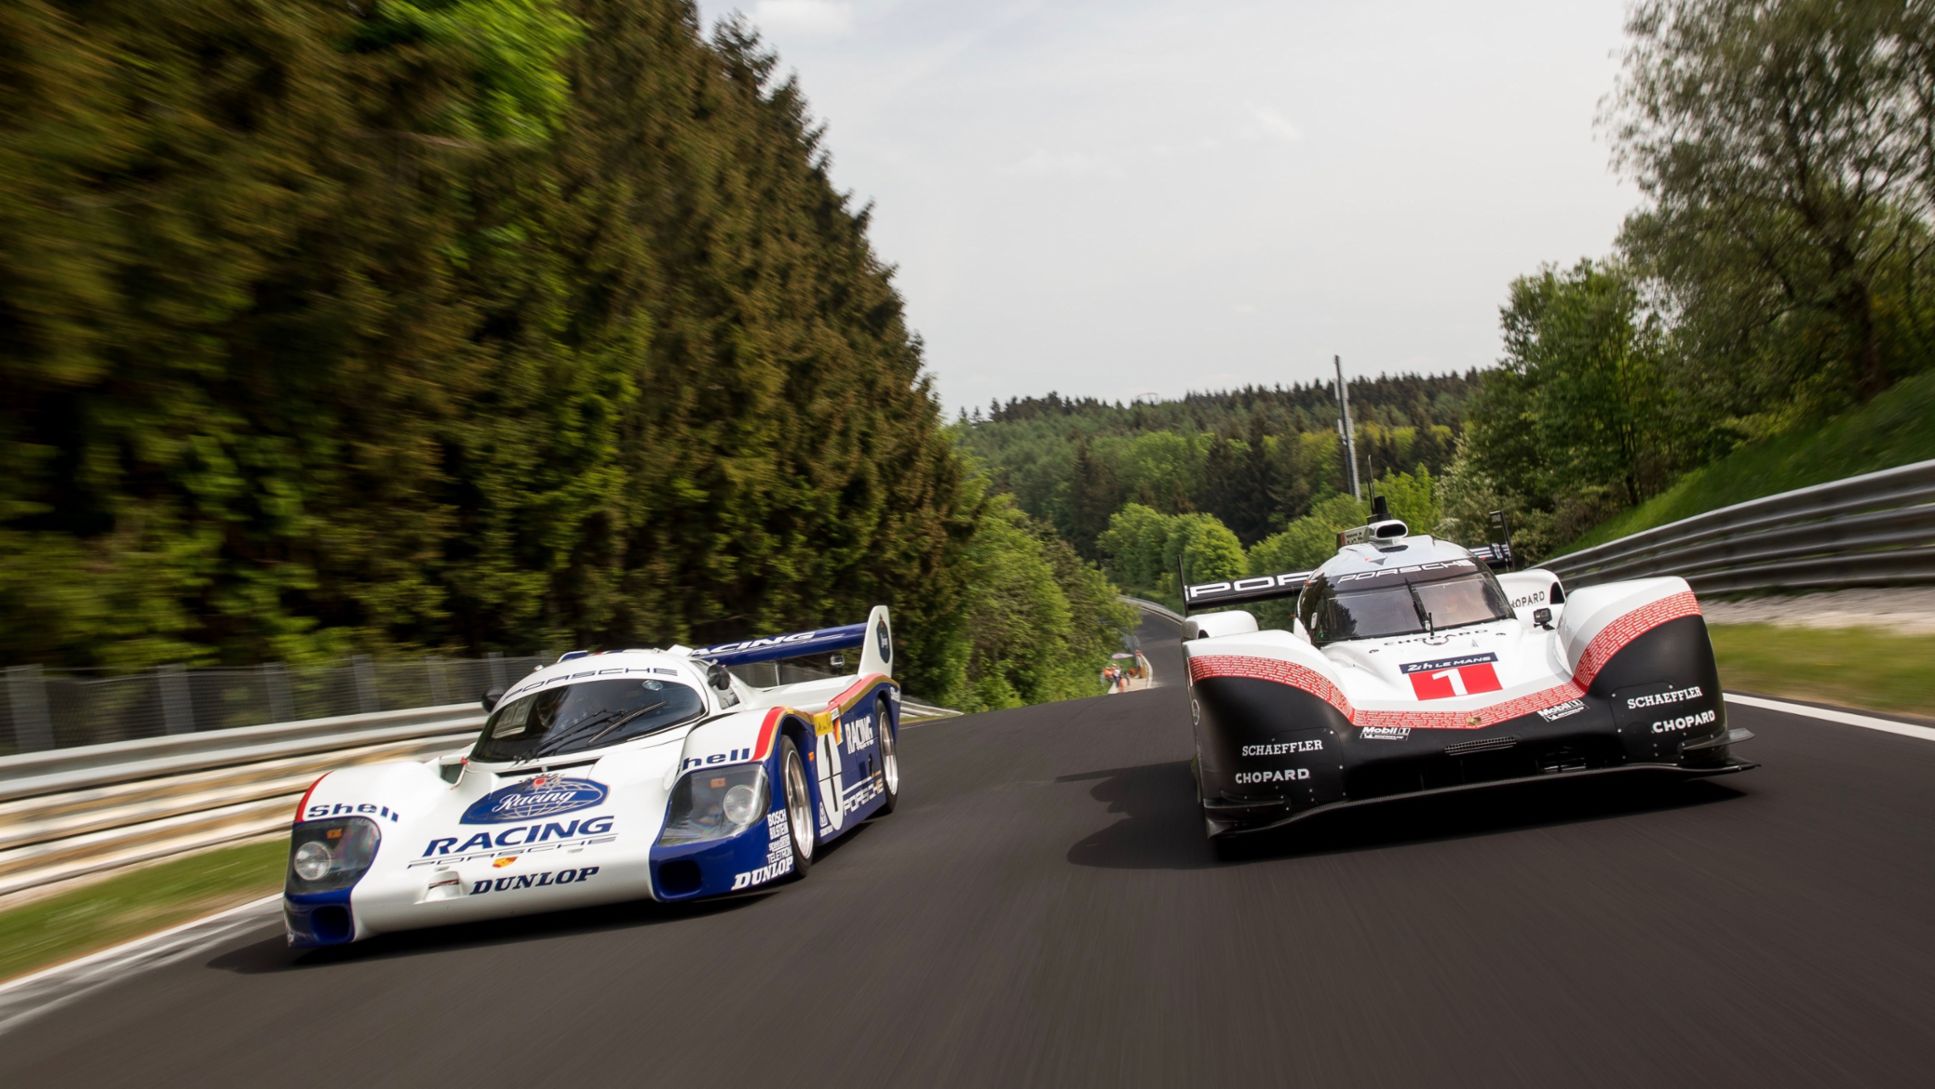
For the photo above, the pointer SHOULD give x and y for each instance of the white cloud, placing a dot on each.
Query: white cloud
(1057, 164)
(1266, 123)
(828, 18)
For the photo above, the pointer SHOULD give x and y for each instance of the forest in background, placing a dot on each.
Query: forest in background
(1253, 458)
(469, 325)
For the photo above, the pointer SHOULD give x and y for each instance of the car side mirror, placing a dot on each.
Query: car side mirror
(450, 766)
(490, 699)
(1542, 618)
(718, 678)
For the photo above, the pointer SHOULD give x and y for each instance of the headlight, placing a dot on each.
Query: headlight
(331, 854)
(742, 804)
(714, 803)
(311, 861)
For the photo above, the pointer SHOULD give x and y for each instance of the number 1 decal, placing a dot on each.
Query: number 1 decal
(1448, 678)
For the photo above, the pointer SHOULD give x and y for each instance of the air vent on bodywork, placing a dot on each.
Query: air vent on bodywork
(1483, 744)
(529, 770)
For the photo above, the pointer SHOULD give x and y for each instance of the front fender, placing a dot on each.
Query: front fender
(1269, 716)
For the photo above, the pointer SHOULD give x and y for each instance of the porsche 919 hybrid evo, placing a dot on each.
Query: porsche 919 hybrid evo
(1411, 667)
(635, 774)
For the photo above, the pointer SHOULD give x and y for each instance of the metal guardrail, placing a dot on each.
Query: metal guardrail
(67, 813)
(43, 709)
(1156, 607)
(1877, 529)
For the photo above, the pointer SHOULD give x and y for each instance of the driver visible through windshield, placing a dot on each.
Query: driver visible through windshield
(575, 717)
(1409, 608)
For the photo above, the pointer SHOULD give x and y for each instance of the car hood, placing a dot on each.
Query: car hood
(1469, 662)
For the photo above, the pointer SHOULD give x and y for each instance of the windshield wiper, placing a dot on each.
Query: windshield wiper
(554, 745)
(1424, 614)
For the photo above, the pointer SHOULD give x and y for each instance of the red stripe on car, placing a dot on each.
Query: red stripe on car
(304, 803)
(768, 730)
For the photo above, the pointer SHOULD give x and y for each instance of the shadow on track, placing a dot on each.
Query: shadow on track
(274, 954)
(1163, 830)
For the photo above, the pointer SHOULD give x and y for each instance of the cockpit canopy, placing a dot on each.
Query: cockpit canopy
(570, 718)
(1380, 602)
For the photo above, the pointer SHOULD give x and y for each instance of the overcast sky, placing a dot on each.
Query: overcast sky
(1126, 197)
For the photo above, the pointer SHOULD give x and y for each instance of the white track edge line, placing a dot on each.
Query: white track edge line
(135, 945)
(1828, 714)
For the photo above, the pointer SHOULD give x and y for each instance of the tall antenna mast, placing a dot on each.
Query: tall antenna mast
(1344, 429)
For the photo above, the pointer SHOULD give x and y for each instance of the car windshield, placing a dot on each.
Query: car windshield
(574, 717)
(1407, 608)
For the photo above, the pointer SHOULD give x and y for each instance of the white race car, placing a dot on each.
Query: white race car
(606, 777)
(1410, 667)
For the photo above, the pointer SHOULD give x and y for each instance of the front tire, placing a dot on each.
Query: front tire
(798, 801)
(889, 764)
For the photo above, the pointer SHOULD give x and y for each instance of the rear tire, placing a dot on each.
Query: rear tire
(798, 803)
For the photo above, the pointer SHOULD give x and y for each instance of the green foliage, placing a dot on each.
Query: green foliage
(1847, 667)
(1135, 546)
(1144, 549)
(1038, 623)
(1582, 416)
(1202, 549)
(1893, 429)
(460, 325)
(1309, 541)
(1785, 152)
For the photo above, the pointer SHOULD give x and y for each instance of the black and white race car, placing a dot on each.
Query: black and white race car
(1411, 667)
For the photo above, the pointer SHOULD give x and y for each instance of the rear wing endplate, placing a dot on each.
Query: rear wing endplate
(1498, 553)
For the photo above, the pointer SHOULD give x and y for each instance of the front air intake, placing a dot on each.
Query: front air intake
(1483, 744)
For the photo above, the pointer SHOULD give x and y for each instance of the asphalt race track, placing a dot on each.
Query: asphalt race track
(1043, 911)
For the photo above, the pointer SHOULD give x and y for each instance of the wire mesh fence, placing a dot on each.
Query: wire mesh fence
(44, 709)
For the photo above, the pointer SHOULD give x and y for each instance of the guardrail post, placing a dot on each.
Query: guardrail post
(177, 707)
(363, 671)
(439, 684)
(275, 683)
(33, 729)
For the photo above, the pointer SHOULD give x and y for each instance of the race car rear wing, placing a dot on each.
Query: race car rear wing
(874, 637)
(1209, 595)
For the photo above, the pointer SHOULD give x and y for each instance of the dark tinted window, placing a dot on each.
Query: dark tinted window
(574, 717)
(1330, 612)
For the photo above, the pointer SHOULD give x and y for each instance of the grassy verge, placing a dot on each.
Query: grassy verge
(1893, 429)
(1849, 667)
(71, 924)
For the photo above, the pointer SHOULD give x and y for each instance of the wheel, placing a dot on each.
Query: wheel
(889, 764)
(799, 805)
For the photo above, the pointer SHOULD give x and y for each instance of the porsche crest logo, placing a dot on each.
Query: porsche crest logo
(1475, 720)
